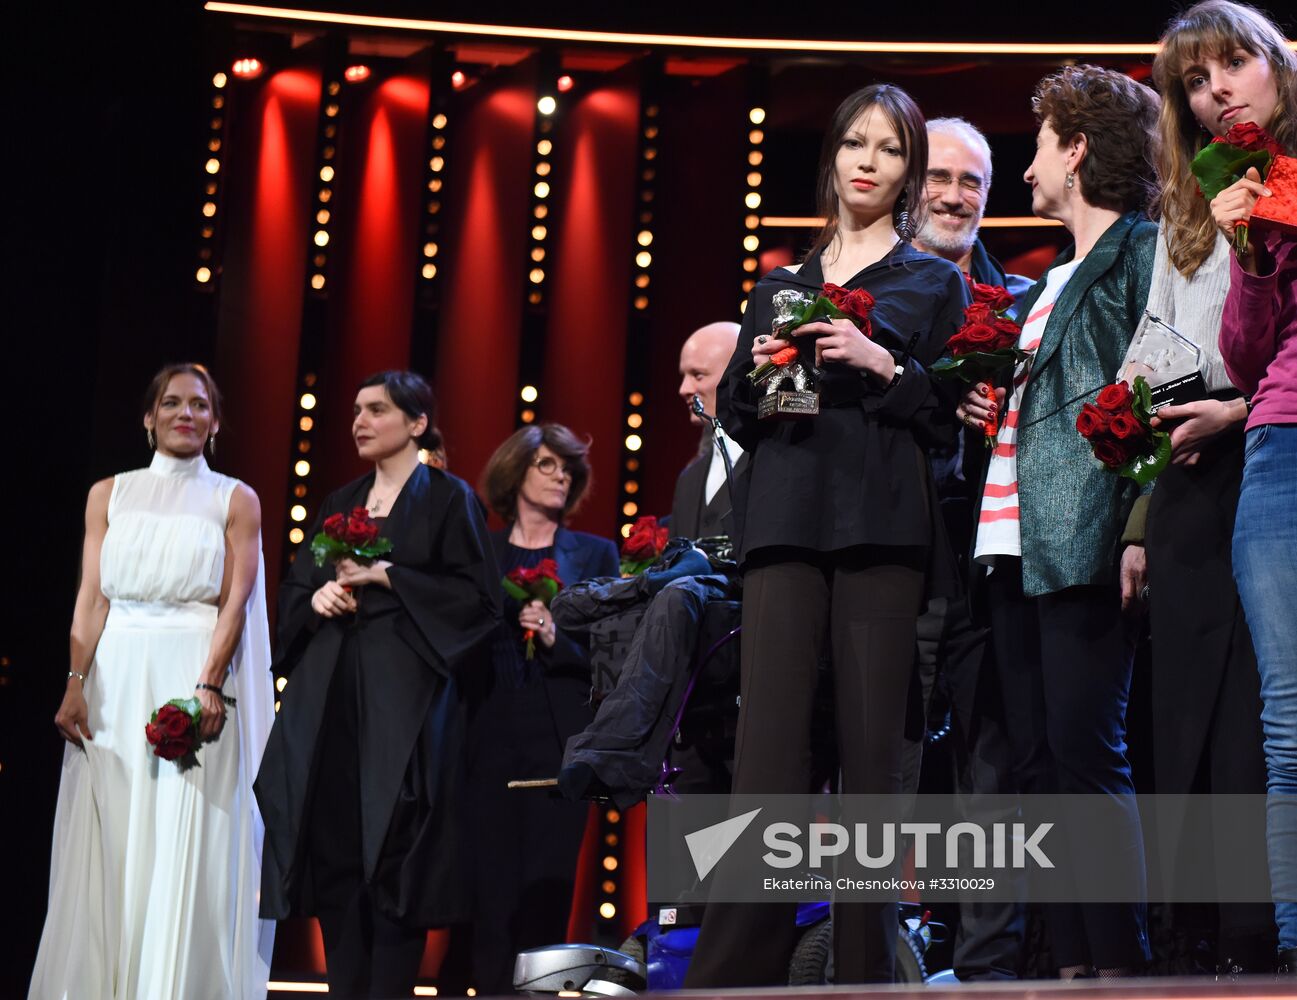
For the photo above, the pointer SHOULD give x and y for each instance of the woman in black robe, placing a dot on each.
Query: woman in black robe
(362, 777)
(840, 519)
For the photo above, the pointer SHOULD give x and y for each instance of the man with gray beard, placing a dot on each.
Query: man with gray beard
(989, 938)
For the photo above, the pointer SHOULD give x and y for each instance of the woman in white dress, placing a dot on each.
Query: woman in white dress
(155, 869)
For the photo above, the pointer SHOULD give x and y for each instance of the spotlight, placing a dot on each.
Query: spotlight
(547, 105)
(565, 83)
(354, 74)
(247, 69)
(458, 79)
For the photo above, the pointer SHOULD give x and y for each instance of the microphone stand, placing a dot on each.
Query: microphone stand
(718, 441)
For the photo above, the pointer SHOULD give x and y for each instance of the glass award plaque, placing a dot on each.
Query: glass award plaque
(1169, 362)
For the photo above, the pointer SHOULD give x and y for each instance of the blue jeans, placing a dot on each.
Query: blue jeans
(1265, 567)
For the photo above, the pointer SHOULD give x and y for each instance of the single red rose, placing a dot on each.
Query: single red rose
(152, 733)
(1124, 426)
(173, 722)
(335, 525)
(547, 568)
(1008, 327)
(1110, 453)
(997, 298)
(978, 312)
(1253, 138)
(983, 335)
(360, 531)
(1091, 421)
(856, 303)
(1115, 397)
(173, 749)
(785, 357)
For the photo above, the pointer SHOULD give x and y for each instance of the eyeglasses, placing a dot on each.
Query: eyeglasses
(549, 465)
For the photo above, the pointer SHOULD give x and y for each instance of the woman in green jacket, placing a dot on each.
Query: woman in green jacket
(1048, 545)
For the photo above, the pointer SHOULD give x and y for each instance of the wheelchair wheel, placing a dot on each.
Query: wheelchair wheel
(811, 964)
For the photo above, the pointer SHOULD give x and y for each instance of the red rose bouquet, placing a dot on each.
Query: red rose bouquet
(172, 731)
(642, 546)
(986, 343)
(1117, 426)
(833, 302)
(349, 536)
(539, 583)
(1225, 160)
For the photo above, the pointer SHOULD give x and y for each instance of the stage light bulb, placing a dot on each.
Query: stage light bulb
(321, 238)
(528, 416)
(330, 110)
(541, 189)
(429, 271)
(634, 442)
(750, 264)
(607, 911)
(317, 281)
(753, 199)
(213, 165)
(635, 399)
(458, 79)
(219, 80)
(306, 423)
(297, 512)
(354, 74)
(542, 169)
(756, 136)
(538, 233)
(326, 175)
(631, 486)
(204, 275)
(630, 508)
(430, 249)
(544, 147)
(282, 682)
(529, 394)
(322, 216)
(625, 531)
(755, 158)
(757, 115)
(609, 887)
(302, 468)
(750, 243)
(276, 707)
(754, 179)
(537, 254)
(437, 163)
(752, 221)
(547, 105)
(247, 69)
(307, 402)
(610, 863)
(645, 238)
(439, 121)
(634, 420)
(537, 275)
(295, 536)
(643, 258)
(565, 83)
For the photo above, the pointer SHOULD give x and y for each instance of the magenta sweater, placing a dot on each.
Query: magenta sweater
(1258, 332)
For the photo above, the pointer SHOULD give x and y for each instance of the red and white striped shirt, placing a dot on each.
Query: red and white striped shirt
(998, 530)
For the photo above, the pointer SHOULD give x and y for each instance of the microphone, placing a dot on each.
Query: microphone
(696, 404)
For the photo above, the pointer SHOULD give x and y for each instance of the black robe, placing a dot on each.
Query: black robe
(414, 640)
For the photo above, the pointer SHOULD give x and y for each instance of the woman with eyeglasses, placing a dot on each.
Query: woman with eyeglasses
(524, 710)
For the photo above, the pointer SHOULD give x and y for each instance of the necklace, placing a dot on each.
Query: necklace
(380, 502)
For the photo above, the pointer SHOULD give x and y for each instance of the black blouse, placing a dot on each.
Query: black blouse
(857, 472)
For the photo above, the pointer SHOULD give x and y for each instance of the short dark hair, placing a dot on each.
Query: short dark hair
(412, 395)
(158, 386)
(1118, 118)
(504, 472)
(904, 116)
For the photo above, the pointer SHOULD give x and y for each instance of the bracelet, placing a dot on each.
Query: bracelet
(78, 675)
(215, 690)
(900, 370)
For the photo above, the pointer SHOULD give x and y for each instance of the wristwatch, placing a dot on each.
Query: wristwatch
(896, 377)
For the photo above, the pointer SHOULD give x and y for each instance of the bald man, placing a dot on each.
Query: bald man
(702, 501)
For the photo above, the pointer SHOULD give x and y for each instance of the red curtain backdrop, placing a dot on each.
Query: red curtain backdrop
(267, 218)
(375, 249)
(590, 268)
(483, 257)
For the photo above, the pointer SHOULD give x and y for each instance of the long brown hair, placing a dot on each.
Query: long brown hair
(158, 387)
(904, 116)
(1216, 28)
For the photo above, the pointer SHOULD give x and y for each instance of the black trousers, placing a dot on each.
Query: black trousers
(366, 954)
(863, 606)
(1065, 661)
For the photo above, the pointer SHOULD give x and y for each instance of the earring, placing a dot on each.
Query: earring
(211, 444)
(1070, 182)
(153, 445)
(903, 224)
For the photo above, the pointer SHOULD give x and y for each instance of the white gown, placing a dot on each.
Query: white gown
(155, 875)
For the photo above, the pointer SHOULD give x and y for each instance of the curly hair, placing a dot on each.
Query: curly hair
(506, 468)
(1118, 118)
(1212, 28)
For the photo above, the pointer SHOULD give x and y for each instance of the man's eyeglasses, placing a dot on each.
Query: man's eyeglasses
(548, 466)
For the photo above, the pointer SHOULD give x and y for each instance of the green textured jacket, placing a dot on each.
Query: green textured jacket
(1072, 510)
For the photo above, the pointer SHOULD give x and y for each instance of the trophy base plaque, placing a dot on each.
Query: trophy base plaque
(788, 404)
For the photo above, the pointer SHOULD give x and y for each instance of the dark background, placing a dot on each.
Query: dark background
(103, 107)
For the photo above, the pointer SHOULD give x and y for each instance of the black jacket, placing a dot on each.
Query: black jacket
(692, 515)
(856, 473)
(414, 639)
